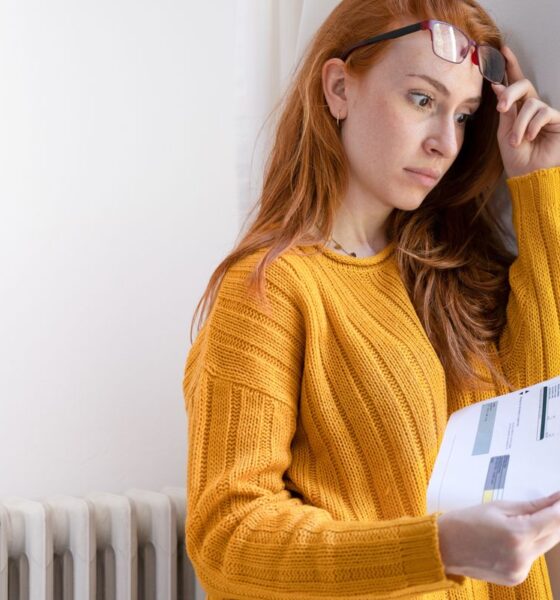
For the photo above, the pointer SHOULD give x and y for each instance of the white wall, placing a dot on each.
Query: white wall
(117, 200)
(530, 29)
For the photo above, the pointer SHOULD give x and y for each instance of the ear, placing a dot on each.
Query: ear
(334, 87)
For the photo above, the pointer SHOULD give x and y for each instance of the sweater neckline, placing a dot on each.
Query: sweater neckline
(357, 261)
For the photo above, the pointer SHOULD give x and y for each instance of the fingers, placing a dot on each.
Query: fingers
(525, 114)
(528, 507)
(532, 117)
(516, 92)
(544, 115)
(519, 89)
(499, 541)
(546, 521)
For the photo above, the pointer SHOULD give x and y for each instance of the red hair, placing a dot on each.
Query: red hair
(452, 251)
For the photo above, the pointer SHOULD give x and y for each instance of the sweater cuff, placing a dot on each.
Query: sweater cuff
(421, 562)
(422, 556)
(542, 182)
(535, 201)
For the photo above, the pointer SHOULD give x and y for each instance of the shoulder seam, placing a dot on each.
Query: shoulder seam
(248, 387)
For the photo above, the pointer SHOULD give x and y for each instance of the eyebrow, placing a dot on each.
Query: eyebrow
(441, 88)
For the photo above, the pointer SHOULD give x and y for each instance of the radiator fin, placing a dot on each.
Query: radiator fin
(103, 546)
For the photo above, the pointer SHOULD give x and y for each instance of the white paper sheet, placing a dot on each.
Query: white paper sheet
(505, 448)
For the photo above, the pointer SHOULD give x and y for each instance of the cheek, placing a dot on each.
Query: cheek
(396, 122)
(382, 133)
(383, 125)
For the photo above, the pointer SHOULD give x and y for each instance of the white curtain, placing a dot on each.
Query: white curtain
(270, 38)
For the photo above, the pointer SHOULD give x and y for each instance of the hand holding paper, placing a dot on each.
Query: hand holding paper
(498, 461)
(499, 541)
(505, 448)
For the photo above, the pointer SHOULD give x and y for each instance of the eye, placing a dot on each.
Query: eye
(426, 101)
(422, 97)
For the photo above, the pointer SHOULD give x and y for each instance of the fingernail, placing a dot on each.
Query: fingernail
(513, 140)
(501, 105)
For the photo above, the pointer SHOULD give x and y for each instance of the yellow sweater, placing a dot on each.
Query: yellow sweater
(313, 427)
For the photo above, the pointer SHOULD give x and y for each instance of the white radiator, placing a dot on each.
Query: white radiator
(98, 547)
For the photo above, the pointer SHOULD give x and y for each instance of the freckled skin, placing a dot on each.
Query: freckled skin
(386, 129)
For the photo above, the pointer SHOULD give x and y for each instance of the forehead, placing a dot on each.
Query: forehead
(413, 54)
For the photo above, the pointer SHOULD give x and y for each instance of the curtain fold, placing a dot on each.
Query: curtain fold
(270, 38)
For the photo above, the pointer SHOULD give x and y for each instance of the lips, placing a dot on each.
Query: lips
(428, 172)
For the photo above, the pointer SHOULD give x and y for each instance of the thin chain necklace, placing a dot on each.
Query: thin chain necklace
(339, 247)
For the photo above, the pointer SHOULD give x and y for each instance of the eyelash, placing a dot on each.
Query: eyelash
(468, 117)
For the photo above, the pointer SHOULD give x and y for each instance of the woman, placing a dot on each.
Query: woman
(365, 304)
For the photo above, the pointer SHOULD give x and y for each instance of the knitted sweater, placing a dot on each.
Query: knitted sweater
(313, 426)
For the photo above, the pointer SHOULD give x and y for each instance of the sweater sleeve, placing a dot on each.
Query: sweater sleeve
(246, 535)
(530, 343)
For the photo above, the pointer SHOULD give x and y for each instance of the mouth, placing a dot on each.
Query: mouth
(423, 178)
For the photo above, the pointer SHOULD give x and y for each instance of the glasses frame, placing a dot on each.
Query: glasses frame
(427, 25)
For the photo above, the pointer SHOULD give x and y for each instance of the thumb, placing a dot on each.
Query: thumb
(530, 507)
(507, 119)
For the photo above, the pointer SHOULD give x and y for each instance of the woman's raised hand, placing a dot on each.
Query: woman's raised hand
(499, 541)
(524, 116)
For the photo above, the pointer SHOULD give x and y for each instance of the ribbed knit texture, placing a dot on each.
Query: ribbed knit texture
(314, 426)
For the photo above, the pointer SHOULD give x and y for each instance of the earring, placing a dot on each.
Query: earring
(338, 120)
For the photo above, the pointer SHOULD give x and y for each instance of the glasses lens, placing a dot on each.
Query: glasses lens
(452, 45)
(492, 63)
(449, 42)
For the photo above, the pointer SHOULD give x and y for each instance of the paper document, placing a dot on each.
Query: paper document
(505, 448)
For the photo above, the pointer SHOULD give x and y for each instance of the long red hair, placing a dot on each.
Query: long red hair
(452, 251)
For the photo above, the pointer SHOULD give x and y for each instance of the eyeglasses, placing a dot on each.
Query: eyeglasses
(451, 44)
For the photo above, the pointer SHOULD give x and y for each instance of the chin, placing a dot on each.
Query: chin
(411, 203)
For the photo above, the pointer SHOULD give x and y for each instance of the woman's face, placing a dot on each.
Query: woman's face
(396, 119)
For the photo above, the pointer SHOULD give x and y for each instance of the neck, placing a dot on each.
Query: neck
(361, 237)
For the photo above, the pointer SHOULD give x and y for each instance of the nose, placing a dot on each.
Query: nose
(444, 138)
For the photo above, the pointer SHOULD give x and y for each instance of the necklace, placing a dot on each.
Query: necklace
(339, 247)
